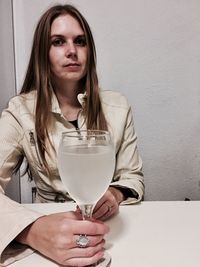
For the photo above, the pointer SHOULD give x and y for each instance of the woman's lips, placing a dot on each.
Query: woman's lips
(72, 66)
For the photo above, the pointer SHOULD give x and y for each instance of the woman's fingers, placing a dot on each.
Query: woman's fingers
(106, 211)
(86, 252)
(111, 211)
(93, 240)
(56, 236)
(101, 201)
(77, 256)
(106, 206)
(84, 261)
(89, 228)
(101, 211)
(73, 256)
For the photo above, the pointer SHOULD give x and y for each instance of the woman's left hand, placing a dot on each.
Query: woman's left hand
(108, 205)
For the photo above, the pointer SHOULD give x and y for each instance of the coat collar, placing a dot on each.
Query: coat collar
(55, 108)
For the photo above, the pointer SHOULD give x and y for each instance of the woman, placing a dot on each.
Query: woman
(61, 92)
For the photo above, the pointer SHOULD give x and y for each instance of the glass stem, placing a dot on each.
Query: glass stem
(86, 211)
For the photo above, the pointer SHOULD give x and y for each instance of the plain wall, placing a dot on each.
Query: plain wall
(7, 75)
(150, 51)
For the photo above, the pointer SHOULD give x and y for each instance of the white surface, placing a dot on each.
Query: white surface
(150, 234)
(148, 50)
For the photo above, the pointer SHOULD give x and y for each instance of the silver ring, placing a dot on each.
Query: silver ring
(82, 241)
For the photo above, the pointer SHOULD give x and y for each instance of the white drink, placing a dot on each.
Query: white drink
(86, 171)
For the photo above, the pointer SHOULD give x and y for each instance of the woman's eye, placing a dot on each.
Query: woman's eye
(58, 42)
(81, 41)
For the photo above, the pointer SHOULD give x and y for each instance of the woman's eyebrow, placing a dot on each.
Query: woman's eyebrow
(57, 35)
(63, 36)
(81, 35)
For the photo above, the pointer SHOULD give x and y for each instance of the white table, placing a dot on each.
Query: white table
(150, 234)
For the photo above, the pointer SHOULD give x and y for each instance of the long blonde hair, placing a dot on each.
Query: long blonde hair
(38, 77)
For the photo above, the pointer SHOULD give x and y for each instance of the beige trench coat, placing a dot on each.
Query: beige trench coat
(18, 137)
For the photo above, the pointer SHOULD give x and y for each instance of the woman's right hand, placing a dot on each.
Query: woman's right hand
(55, 236)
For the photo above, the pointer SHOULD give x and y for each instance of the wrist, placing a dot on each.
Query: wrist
(23, 236)
(29, 234)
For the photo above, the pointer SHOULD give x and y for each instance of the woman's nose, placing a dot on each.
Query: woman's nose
(70, 49)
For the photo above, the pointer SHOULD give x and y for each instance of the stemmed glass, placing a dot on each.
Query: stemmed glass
(86, 162)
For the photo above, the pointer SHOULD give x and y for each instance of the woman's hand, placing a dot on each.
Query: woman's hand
(108, 205)
(56, 235)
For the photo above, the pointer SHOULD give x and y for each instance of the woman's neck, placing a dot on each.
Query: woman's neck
(66, 90)
(67, 99)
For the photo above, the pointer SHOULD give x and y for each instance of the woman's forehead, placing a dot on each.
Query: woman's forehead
(66, 24)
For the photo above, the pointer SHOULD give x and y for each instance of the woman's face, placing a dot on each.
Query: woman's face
(68, 49)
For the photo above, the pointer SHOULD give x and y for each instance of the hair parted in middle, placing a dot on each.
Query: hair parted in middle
(38, 77)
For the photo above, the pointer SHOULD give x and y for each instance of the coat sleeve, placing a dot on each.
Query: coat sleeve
(13, 216)
(128, 171)
(13, 219)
